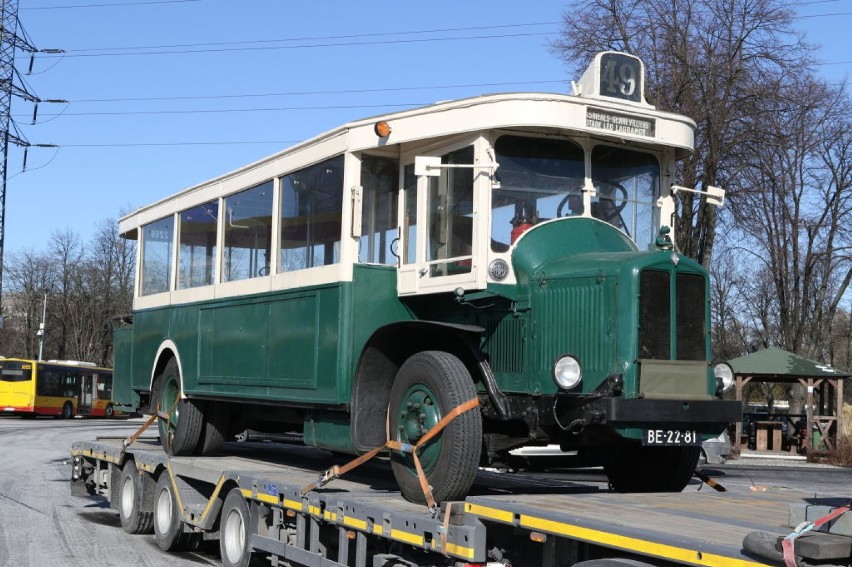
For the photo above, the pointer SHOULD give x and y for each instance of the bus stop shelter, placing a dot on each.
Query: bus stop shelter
(823, 401)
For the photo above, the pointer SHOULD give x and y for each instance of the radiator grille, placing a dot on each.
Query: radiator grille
(656, 310)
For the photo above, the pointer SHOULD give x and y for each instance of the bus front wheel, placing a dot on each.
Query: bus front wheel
(181, 430)
(637, 468)
(428, 386)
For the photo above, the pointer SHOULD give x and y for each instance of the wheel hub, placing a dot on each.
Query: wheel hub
(417, 414)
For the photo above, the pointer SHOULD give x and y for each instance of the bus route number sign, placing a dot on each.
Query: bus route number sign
(620, 77)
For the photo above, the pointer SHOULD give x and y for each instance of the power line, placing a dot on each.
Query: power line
(307, 45)
(236, 110)
(823, 15)
(205, 143)
(317, 93)
(316, 37)
(108, 5)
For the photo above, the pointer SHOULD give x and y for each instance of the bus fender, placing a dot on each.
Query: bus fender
(385, 352)
(168, 349)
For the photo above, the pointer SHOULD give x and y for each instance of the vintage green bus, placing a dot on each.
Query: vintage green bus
(513, 250)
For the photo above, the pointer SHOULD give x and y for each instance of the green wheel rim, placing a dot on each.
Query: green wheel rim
(171, 392)
(418, 412)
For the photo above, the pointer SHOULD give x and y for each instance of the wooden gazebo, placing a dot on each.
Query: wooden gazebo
(823, 384)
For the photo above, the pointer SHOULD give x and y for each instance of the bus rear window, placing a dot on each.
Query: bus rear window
(14, 373)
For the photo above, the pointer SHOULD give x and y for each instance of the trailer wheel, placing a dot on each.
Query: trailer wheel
(234, 526)
(134, 520)
(638, 468)
(180, 434)
(169, 530)
(428, 386)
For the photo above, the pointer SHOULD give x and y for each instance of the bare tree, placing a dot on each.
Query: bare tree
(85, 286)
(28, 277)
(705, 59)
(795, 211)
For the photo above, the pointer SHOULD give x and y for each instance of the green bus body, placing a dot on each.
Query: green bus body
(508, 249)
(579, 293)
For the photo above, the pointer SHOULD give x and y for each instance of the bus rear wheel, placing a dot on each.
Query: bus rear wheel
(638, 468)
(428, 386)
(67, 411)
(180, 433)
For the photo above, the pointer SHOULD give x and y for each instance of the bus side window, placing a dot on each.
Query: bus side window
(311, 216)
(451, 214)
(197, 245)
(379, 179)
(248, 233)
(157, 256)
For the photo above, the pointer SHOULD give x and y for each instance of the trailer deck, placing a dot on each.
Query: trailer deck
(521, 519)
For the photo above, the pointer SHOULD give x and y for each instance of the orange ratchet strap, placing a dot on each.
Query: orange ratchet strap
(336, 471)
(167, 416)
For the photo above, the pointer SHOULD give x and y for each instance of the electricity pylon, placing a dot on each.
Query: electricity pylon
(12, 38)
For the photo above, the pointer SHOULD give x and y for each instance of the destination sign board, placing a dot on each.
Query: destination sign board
(615, 122)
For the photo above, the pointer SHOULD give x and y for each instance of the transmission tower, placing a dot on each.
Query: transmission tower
(12, 38)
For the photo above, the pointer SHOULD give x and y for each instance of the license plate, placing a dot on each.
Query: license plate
(671, 437)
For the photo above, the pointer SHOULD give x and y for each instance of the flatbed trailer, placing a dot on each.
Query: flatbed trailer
(253, 499)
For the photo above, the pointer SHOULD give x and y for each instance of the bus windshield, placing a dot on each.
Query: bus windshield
(627, 183)
(542, 178)
(539, 179)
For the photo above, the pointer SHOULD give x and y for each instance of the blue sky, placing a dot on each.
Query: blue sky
(165, 94)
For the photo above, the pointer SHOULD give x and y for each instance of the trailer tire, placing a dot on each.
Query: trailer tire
(169, 531)
(434, 383)
(638, 468)
(134, 519)
(179, 435)
(234, 537)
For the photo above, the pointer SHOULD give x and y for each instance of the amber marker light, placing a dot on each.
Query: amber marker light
(382, 129)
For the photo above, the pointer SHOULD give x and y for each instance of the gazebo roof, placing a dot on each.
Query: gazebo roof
(780, 363)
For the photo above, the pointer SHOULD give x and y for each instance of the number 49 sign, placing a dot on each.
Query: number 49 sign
(620, 77)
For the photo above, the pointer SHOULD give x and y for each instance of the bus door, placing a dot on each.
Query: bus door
(440, 226)
(87, 393)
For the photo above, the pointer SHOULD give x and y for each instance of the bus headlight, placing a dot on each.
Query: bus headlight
(724, 376)
(567, 372)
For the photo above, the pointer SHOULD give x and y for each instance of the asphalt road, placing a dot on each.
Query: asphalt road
(42, 524)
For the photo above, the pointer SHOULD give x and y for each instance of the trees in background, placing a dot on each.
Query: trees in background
(777, 138)
(85, 287)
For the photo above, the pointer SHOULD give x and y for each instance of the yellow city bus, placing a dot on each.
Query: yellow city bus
(62, 388)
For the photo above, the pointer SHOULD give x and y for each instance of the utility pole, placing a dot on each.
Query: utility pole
(8, 46)
(12, 38)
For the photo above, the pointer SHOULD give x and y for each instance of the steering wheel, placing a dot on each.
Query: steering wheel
(564, 202)
(618, 201)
